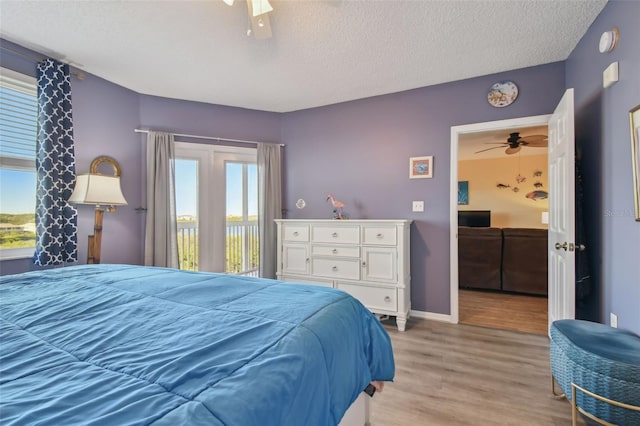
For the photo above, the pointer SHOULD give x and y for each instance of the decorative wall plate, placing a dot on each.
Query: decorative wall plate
(502, 94)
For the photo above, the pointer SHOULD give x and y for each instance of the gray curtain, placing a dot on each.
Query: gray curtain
(161, 233)
(269, 205)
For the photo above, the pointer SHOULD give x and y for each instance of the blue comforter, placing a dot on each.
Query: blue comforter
(120, 345)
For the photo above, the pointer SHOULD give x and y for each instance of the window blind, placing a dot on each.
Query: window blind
(18, 119)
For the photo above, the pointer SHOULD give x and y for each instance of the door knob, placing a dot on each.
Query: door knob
(562, 246)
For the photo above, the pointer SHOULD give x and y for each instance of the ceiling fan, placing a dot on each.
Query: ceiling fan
(515, 143)
(259, 25)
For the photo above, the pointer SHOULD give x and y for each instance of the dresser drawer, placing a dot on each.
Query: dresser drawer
(379, 235)
(348, 269)
(295, 233)
(337, 251)
(374, 298)
(335, 234)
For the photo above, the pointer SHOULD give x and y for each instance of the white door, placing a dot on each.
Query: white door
(561, 247)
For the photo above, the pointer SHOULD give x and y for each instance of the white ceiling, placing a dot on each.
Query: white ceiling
(322, 51)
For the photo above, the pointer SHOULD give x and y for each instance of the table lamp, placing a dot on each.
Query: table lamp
(100, 190)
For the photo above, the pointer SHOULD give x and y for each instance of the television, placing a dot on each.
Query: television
(474, 218)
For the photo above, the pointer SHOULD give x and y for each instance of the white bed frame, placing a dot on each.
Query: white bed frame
(358, 412)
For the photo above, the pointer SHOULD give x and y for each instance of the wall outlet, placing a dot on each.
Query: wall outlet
(613, 320)
(418, 206)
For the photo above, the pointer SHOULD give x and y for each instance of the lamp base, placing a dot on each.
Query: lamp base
(95, 240)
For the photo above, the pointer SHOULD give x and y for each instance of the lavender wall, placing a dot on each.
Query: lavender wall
(197, 118)
(602, 136)
(359, 151)
(104, 118)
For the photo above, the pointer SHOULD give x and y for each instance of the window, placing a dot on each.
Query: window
(242, 238)
(18, 133)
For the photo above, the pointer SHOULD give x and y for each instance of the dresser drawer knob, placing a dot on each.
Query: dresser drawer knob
(334, 269)
(364, 264)
(295, 233)
(387, 299)
(334, 235)
(334, 251)
(379, 235)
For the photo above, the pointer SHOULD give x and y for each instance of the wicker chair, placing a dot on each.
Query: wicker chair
(598, 369)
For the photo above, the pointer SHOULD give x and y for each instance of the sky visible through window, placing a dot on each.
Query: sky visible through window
(17, 191)
(187, 188)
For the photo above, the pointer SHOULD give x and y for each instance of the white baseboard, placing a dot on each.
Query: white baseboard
(431, 316)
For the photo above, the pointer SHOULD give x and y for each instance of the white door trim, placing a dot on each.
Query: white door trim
(456, 131)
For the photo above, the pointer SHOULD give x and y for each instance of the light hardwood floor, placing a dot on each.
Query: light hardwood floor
(454, 374)
(505, 311)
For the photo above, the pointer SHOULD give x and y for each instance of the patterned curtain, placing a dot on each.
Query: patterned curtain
(56, 220)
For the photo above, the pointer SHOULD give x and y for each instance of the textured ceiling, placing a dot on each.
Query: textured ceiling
(322, 52)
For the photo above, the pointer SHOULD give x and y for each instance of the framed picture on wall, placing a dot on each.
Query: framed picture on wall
(463, 193)
(420, 167)
(634, 120)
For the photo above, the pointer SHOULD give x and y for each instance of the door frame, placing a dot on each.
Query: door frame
(456, 132)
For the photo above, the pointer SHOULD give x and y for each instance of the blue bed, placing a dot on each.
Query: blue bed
(121, 345)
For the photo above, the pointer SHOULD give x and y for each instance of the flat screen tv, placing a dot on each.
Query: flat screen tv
(474, 218)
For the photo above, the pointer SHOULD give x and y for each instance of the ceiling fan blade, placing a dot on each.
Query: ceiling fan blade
(537, 141)
(488, 149)
(511, 150)
(260, 7)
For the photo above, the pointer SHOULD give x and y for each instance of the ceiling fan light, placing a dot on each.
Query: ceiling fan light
(260, 7)
(228, 2)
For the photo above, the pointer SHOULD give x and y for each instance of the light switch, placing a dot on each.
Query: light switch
(418, 206)
(610, 75)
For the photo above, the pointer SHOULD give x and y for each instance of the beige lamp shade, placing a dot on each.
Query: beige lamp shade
(97, 189)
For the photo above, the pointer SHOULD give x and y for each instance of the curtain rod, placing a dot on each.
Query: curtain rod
(213, 138)
(78, 74)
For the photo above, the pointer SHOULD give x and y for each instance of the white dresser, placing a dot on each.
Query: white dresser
(368, 259)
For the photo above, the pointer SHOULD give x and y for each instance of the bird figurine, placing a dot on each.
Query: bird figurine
(337, 205)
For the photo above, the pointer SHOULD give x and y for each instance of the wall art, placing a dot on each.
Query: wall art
(463, 193)
(421, 167)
